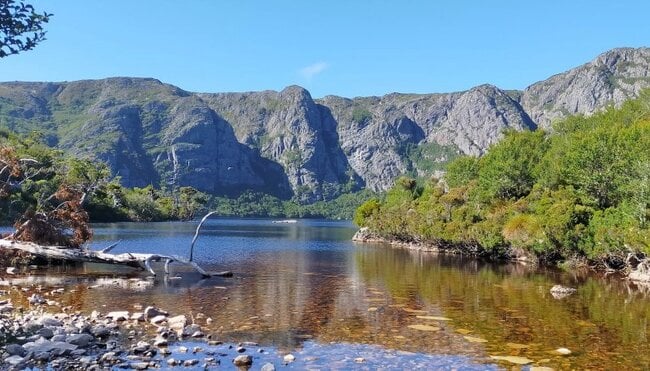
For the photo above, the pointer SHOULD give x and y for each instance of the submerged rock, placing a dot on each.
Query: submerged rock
(118, 316)
(36, 299)
(560, 292)
(190, 362)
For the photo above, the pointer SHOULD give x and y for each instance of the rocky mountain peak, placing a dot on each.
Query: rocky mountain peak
(610, 79)
(287, 143)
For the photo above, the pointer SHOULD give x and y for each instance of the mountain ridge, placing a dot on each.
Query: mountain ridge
(288, 144)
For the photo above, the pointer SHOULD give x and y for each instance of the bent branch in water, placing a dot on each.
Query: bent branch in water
(196, 234)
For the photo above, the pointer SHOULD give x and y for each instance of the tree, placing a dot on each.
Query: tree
(21, 27)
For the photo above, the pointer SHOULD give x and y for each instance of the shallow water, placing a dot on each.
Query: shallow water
(305, 288)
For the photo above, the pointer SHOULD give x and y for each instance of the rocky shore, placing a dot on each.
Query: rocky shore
(36, 335)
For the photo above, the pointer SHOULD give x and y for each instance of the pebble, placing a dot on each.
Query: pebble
(51, 321)
(243, 360)
(289, 358)
(15, 349)
(139, 365)
(81, 340)
(157, 319)
(190, 362)
(36, 299)
(14, 360)
(118, 316)
(172, 362)
(12, 270)
(58, 337)
(100, 331)
(268, 367)
(151, 312)
(165, 351)
(189, 330)
(45, 332)
(177, 322)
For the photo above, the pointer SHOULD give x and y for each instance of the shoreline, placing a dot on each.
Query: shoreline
(42, 333)
(639, 274)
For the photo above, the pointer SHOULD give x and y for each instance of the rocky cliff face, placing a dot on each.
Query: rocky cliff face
(287, 143)
(146, 131)
(611, 78)
(290, 129)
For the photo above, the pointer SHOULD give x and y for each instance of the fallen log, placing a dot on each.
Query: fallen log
(135, 260)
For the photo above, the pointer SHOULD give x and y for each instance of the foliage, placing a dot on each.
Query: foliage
(429, 157)
(255, 204)
(581, 191)
(41, 186)
(361, 115)
(21, 27)
(461, 171)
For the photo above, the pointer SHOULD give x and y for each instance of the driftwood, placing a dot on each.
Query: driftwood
(135, 260)
(196, 234)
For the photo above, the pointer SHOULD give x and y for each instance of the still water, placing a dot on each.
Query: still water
(306, 288)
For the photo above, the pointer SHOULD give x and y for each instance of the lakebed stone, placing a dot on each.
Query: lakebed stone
(151, 312)
(243, 360)
(15, 349)
(81, 340)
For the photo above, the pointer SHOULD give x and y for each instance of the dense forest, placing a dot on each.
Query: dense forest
(581, 190)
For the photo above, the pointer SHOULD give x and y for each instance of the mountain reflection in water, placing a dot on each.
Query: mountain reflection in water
(306, 282)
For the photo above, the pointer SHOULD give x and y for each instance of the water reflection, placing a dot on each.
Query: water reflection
(305, 282)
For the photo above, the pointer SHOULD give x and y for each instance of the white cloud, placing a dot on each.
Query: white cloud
(312, 70)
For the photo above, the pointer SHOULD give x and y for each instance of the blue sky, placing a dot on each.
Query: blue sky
(349, 48)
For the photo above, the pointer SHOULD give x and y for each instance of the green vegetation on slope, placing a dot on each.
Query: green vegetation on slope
(581, 191)
(429, 157)
(254, 204)
(32, 173)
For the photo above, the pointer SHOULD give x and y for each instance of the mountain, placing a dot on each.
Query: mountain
(290, 145)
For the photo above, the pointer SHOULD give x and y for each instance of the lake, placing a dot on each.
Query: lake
(305, 288)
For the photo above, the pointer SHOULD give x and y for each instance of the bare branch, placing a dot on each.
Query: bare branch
(196, 234)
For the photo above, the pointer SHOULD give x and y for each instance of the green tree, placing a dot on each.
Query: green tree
(21, 27)
(461, 171)
(508, 169)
